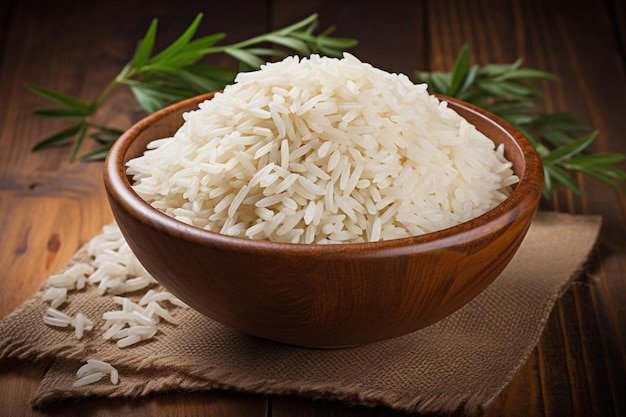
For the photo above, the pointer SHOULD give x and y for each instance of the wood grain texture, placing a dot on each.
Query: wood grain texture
(49, 207)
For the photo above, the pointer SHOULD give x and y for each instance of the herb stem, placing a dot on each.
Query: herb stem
(262, 38)
(126, 72)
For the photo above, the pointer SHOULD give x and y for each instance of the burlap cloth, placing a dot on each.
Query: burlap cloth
(464, 360)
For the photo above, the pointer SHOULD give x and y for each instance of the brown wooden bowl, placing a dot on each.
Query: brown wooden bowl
(324, 295)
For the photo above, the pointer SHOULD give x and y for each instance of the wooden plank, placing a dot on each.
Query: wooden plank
(293, 406)
(524, 389)
(17, 381)
(605, 399)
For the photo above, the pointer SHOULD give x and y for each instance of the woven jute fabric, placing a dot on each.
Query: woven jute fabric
(464, 360)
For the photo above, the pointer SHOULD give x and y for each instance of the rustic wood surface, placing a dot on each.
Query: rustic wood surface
(50, 207)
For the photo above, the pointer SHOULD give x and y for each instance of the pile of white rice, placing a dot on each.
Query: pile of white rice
(323, 150)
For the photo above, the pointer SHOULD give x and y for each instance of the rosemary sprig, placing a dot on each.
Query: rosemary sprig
(506, 90)
(176, 73)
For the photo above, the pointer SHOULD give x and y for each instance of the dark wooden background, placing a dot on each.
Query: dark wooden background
(49, 207)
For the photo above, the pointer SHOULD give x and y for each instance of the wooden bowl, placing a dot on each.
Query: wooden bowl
(324, 295)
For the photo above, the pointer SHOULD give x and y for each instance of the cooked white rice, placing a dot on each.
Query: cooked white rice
(323, 150)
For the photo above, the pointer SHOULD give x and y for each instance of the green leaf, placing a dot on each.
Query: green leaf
(492, 88)
(526, 73)
(189, 83)
(562, 177)
(60, 98)
(152, 97)
(611, 172)
(174, 63)
(63, 113)
(159, 87)
(146, 100)
(107, 135)
(311, 19)
(565, 121)
(509, 89)
(310, 28)
(187, 55)
(245, 57)
(547, 183)
(57, 139)
(589, 161)
(223, 76)
(80, 136)
(292, 43)
(459, 72)
(438, 82)
(497, 69)
(178, 85)
(556, 137)
(205, 41)
(145, 46)
(573, 148)
(334, 46)
(517, 118)
(422, 77)
(541, 149)
(269, 52)
(469, 80)
(98, 154)
(605, 179)
(180, 43)
(336, 43)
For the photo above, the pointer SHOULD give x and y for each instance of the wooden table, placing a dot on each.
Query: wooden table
(49, 207)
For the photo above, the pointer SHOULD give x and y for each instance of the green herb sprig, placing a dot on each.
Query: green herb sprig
(506, 90)
(177, 73)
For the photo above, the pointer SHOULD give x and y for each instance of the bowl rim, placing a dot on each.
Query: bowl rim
(524, 198)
